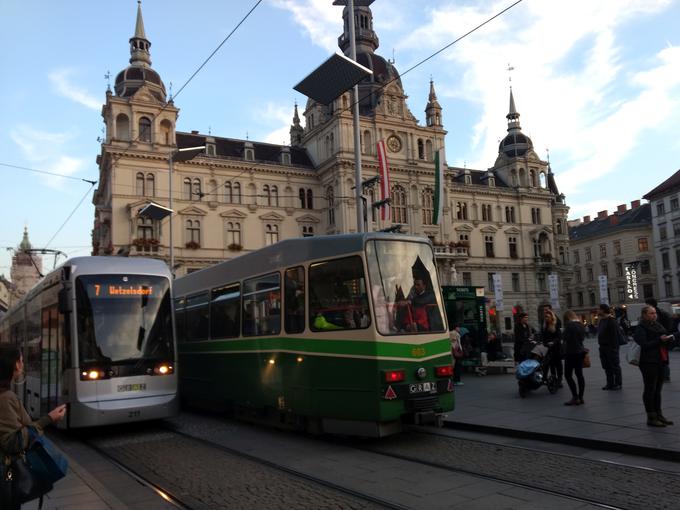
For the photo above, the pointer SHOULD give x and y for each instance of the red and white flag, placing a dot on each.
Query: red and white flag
(384, 180)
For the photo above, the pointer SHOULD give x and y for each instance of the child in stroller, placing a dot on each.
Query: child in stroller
(533, 372)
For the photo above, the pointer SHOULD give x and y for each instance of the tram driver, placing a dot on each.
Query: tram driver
(422, 303)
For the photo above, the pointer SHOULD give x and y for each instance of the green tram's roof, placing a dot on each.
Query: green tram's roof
(286, 253)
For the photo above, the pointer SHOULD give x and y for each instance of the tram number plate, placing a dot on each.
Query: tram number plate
(131, 387)
(423, 387)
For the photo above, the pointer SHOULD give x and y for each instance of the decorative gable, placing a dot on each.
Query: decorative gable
(271, 217)
(233, 213)
(193, 211)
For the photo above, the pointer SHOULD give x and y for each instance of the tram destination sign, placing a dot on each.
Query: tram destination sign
(106, 290)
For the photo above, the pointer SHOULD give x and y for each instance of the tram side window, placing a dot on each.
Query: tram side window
(262, 305)
(294, 292)
(337, 295)
(197, 323)
(180, 319)
(225, 305)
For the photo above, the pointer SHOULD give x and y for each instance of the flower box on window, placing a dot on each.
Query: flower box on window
(192, 245)
(234, 247)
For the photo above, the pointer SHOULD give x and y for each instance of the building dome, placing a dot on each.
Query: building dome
(515, 144)
(383, 70)
(131, 79)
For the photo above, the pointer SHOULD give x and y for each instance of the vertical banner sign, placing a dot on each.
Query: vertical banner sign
(498, 289)
(438, 186)
(630, 270)
(604, 295)
(554, 291)
(384, 170)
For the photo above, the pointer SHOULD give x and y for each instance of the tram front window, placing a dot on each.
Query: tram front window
(123, 320)
(405, 288)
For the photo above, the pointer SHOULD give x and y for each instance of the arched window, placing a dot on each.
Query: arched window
(307, 231)
(122, 127)
(330, 198)
(532, 178)
(267, 194)
(150, 190)
(301, 194)
(543, 180)
(428, 206)
(186, 189)
(196, 191)
(139, 184)
(559, 226)
(145, 228)
(428, 150)
(332, 145)
(461, 211)
(399, 204)
(563, 256)
(310, 199)
(228, 193)
(367, 143)
(144, 129)
(421, 149)
(237, 193)
(271, 234)
(166, 132)
(193, 231)
(212, 190)
(275, 196)
(486, 212)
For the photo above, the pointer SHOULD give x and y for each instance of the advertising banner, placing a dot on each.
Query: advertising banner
(631, 272)
(498, 289)
(604, 295)
(554, 291)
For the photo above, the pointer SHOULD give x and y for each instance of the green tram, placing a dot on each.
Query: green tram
(341, 334)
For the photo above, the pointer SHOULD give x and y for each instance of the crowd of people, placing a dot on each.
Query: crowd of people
(656, 333)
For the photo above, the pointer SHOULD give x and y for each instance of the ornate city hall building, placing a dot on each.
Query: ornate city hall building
(240, 195)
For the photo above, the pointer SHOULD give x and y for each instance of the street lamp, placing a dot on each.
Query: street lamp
(335, 76)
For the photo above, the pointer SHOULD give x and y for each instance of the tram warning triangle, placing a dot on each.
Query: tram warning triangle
(390, 394)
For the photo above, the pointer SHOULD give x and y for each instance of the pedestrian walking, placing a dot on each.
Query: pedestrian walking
(574, 351)
(653, 340)
(524, 336)
(551, 336)
(608, 341)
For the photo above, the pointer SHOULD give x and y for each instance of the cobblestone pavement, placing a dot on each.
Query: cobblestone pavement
(410, 484)
(211, 478)
(606, 483)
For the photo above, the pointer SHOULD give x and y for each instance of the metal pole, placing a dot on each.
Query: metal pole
(357, 137)
(172, 246)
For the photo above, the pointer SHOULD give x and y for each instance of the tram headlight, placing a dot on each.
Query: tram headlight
(163, 369)
(92, 374)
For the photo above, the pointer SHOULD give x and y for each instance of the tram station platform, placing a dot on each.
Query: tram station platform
(609, 420)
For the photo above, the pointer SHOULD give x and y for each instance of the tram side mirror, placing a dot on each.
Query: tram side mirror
(64, 302)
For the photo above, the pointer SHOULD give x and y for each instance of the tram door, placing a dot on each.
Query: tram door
(50, 375)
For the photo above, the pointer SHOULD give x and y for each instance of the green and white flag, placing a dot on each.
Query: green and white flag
(438, 186)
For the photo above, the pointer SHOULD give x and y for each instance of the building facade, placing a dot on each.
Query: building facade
(25, 272)
(618, 247)
(665, 209)
(508, 219)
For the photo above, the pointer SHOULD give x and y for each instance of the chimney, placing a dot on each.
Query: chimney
(635, 204)
(602, 214)
(193, 132)
(586, 219)
(614, 219)
(621, 209)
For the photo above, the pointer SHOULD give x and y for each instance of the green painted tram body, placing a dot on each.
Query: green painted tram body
(326, 381)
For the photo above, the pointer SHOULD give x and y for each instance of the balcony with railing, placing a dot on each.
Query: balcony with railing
(455, 251)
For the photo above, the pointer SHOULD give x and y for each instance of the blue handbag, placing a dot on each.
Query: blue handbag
(47, 463)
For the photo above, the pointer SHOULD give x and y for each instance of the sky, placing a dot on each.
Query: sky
(597, 84)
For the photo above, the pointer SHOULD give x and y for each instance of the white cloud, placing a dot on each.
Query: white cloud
(281, 115)
(61, 82)
(318, 19)
(45, 150)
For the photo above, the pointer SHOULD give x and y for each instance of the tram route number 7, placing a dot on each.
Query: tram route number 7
(96, 289)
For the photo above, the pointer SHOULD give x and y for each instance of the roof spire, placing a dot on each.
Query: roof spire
(512, 116)
(366, 38)
(25, 243)
(139, 44)
(296, 130)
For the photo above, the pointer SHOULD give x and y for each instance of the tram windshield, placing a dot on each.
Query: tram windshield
(405, 288)
(123, 318)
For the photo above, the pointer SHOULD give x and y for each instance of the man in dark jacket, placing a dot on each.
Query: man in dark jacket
(608, 341)
(666, 321)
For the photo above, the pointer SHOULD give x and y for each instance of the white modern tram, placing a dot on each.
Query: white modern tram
(97, 334)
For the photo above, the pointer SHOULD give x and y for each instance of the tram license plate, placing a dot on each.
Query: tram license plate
(131, 387)
(423, 387)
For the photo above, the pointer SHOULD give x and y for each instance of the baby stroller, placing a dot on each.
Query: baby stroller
(533, 372)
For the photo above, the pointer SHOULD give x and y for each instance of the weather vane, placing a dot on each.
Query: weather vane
(510, 69)
(107, 77)
(170, 91)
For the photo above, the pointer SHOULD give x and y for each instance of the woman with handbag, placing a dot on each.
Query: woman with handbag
(14, 421)
(653, 340)
(574, 354)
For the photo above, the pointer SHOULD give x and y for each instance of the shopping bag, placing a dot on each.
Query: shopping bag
(586, 360)
(46, 462)
(633, 353)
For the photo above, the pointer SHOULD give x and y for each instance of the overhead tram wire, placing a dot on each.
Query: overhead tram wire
(70, 215)
(63, 176)
(500, 13)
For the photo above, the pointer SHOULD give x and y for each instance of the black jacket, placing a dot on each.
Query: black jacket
(573, 336)
(650, 343)
(607, 337)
